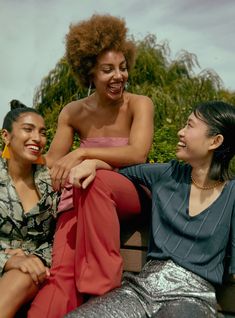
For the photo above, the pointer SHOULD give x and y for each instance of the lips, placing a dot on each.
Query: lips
(34, 149)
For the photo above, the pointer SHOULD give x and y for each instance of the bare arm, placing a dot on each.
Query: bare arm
(140, 140)
(62, 140)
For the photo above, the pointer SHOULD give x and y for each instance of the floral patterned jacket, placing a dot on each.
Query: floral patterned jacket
(32, 231)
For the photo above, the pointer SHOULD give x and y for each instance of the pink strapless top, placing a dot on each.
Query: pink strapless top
(93, 142)
(66, 200)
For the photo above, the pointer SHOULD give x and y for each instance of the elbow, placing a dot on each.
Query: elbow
(141, 158)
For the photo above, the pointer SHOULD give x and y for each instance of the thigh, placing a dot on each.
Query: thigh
(114, 304)
(123, 192)
(64, 239)
(16, 289)
(18, 284)
(58, 294)
(181, 308)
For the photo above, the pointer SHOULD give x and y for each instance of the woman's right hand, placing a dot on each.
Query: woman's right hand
(61, 169)
(29, 264)
(15, 251)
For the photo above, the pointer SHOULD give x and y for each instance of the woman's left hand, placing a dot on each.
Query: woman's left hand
(83, 174)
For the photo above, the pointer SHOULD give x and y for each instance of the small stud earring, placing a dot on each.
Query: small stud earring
(126, 85)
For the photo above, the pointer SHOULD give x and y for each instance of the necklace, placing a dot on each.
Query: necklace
(205, 187)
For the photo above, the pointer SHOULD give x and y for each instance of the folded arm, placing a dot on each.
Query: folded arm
(136, 151)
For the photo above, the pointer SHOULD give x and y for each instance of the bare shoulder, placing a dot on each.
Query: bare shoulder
(72, 110)
(73, 107)
(139, 101)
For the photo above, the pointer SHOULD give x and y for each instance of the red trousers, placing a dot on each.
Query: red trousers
(86, 252)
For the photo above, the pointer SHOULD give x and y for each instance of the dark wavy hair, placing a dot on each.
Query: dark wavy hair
(17, 108)
(89, 38)
(220, 119)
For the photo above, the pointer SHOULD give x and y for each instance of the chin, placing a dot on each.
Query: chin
(115, 97)
(179, 155)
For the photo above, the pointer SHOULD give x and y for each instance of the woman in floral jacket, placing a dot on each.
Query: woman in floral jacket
(27, 205)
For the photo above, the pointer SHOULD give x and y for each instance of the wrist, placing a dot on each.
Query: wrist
(94, 163)
(81, 154)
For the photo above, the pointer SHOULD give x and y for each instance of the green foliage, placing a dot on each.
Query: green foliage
(57, 89)
(232, 166)
(173, 85)
(163, 147)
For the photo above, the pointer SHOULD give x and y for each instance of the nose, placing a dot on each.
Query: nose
(36, 136)
(181, 132)
(117, 73)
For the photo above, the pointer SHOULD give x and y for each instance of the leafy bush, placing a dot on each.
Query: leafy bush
(173, 85)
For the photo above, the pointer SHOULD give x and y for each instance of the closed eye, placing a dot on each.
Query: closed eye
(43, 133)
(27, 129)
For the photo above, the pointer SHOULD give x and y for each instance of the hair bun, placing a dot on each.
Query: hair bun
(16, 104)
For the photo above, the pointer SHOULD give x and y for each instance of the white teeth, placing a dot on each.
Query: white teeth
(115, 88)
(33, 147)
(118, 85)
(181, 144)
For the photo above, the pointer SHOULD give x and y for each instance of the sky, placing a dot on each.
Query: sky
(32, 36)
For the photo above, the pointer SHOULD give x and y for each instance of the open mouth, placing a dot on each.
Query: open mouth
(34, 149)
(116, 88)
(181, 144)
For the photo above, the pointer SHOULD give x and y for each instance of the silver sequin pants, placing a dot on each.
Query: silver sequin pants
(162, 289)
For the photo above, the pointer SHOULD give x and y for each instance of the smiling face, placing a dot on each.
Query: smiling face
(194, 143)
(27, 138)
(110, 75)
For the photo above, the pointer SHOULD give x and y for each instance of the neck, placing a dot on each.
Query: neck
(19, 171)
(106, 102)
(208, 185)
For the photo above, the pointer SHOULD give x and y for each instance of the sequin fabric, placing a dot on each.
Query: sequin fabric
(162, 289)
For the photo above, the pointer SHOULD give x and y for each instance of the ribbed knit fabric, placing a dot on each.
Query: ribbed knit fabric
(196, 243)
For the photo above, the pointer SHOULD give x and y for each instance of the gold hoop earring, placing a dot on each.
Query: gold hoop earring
(89, 90)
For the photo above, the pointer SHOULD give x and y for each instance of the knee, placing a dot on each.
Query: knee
(184, 309)
(100, 184)
(22, 282)
(104, 180)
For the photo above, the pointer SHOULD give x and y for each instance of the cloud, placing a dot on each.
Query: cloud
(32, 35)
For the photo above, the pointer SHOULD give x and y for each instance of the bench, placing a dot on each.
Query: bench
(134, 239)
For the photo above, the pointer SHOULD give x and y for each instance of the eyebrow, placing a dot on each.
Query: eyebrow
(110, 64)
(190, 119)
(32, 125)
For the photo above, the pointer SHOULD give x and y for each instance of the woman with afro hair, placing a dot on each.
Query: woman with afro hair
(115, 129)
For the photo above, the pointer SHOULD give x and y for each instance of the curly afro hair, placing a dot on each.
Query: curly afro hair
(89, 38)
